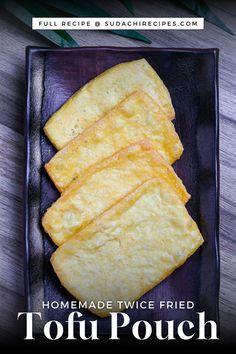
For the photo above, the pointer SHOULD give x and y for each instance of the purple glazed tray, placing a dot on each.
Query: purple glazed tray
(191, 76)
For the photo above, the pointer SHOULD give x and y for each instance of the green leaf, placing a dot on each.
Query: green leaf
(38, 10)
(89, 8)
(200, 8)
(129, 5)
(27, 11)
(75, 8)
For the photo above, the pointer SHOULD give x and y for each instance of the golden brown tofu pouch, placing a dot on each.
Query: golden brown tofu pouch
(128, 249)
(101, 94)
(103, 185)
(137, 117)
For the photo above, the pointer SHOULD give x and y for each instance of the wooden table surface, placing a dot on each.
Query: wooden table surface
(14, 38)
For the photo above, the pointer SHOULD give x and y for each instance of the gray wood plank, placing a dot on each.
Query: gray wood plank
(13, 40)
(11, 232)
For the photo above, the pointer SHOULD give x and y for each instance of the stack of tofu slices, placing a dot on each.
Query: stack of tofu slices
(120, 224)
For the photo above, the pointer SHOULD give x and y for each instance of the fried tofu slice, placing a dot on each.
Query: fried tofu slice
(129, 249)
(137, 117)
(101, 94)
(103, 185)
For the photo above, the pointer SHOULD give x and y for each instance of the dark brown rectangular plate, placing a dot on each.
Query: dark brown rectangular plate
(191, 76)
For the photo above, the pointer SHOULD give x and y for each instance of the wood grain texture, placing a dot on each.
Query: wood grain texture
(14, 38)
